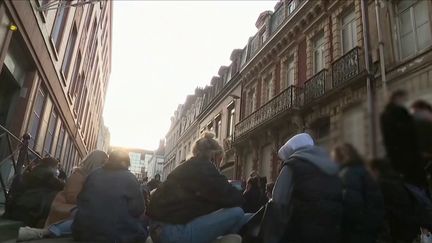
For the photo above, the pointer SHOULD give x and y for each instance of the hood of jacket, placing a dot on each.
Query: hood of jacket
(318, 157)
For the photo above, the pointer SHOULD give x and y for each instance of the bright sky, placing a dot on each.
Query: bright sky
(162, 50)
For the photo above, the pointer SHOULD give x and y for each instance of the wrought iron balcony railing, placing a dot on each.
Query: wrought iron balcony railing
(286, 100)
(315, 86)
(17, 156)
(346, 67)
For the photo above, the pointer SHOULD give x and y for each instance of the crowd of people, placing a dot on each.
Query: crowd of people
(319, 195)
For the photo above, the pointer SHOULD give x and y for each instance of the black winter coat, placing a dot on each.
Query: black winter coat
(193, 189)
(363, 204)
(31, 196)
(307, 200)
(253, 200)
(316, 205)
(402, 214)
(109, 208)
(401, 144)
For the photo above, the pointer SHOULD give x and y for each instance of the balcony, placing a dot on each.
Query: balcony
(346, 67)
(315, 86)
(286, 100)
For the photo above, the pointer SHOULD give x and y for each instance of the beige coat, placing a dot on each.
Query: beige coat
(66, 200)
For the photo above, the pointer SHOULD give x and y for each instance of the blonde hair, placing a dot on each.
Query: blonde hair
(93, 160)
(207, 147)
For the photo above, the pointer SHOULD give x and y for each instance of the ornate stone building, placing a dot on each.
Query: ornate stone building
(213, 108)
(305, 71)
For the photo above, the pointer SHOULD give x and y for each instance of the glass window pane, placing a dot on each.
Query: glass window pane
(348, 18)
(404, 4)
(407, 45)
(405, 23)
(421, 13)
(346, 39)
(424, 38)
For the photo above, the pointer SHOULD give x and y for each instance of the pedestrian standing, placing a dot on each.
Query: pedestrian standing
(363, 205)
(401, 142)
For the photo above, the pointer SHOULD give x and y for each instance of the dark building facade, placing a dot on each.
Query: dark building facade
(54, 71)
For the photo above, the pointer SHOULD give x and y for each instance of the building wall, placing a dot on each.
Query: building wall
(304, 70)
(331, 105)
(203, 111)
(62, 67)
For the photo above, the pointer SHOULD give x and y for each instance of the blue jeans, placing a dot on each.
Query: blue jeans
(203, 229)
(63, 228)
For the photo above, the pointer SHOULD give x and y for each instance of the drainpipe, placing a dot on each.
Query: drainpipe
(369, 81)
(381, 50)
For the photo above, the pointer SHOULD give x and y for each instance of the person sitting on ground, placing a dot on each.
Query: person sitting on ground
(252, 196)
(404, 216)
(60, 218)
(110, 205)
(154, 183)
(31, 203)
(196, 204)
(307, 197)
(363, 214)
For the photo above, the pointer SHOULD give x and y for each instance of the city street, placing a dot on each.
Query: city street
(216, 121)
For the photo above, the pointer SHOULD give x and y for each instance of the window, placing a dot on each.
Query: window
(43, 3)
(290, 72)
(414, 26)
(50, 133)
(318, 53)
(251, 101)
(268, 88)
(59, 24)
(349, 32)
(210, 126)
(66, 151)
(60, 143)
(218, 129)
(67, 60)
(291, 6)
(231, 120)
(73, 89)
(36, 116)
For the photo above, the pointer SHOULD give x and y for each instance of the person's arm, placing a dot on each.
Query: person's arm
(278, 210)
(136, 204)
(283, 187)
(73, 187)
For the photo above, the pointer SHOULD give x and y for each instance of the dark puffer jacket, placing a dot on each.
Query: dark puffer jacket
(363, 203)
(307, 200)
(403, 215)
(109, 208)
(193, 189)
(31, 196)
